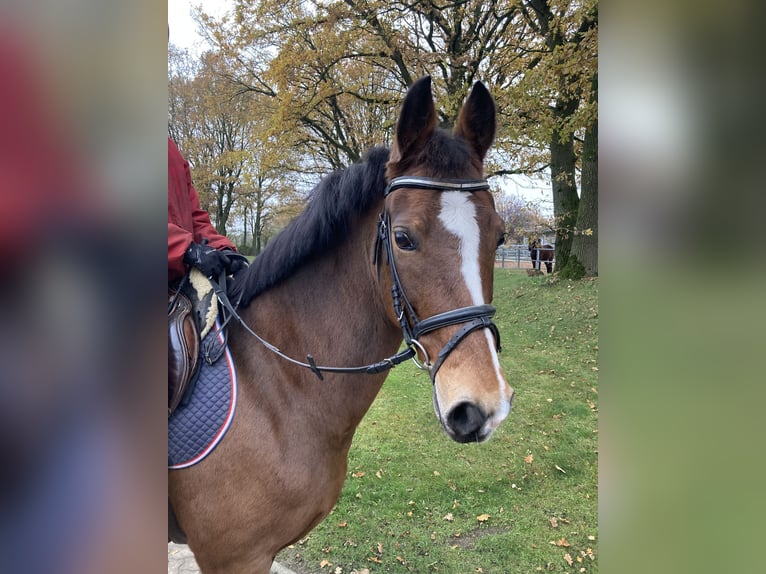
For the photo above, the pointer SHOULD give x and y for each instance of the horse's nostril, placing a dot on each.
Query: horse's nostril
(466, 419)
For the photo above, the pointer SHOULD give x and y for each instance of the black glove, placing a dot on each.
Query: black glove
(237, 262)
(208, 260)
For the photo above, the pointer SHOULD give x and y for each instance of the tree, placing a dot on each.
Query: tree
(561, 58)
(242, 163)
(211, 133)
(585, 242)
(336, 72)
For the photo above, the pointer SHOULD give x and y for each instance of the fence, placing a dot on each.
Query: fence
(517, 257)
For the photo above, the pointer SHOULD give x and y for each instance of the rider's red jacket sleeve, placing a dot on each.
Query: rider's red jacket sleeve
(187, 222)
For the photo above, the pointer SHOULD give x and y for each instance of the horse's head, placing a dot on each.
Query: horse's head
(532, 244)
(444, 231)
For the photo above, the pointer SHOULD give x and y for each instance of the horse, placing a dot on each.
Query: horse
(538, 253)
(399, 247)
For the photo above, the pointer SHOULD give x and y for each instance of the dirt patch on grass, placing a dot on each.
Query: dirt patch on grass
(469, 539)
(292, 559)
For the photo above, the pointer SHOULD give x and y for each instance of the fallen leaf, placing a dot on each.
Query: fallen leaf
(563, 542)
(342, 524)
(379, 474)
(437, 473)
(559, 468)
(358, 474)
(568, 558)
(400, 559)
(529, 458)
(324, 563)
(554, 522)
(448, 517)
(380, 547)
(375, 559)
(482, 517)
(338, 570)
(591, 537)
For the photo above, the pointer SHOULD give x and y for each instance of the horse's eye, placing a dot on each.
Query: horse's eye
(403, 241)
(501, 240)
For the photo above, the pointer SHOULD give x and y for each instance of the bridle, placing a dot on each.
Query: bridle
(475, 316)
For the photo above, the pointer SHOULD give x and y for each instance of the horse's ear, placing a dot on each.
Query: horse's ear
(417, 120)
(476, 121)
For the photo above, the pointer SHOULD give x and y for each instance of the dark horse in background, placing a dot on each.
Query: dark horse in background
(541, 253)
(419, 219)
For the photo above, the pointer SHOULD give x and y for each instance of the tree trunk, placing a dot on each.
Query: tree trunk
(220, 220)
(244, 218)
(257, 225)
(565, 199)
(585, 246)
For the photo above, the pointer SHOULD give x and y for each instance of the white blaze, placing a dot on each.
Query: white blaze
(458, 215)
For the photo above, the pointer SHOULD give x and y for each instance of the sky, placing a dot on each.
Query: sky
(183, 30)
(183, 33)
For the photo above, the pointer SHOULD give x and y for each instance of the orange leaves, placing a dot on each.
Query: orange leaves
(361, 473)
(529, 458)
(482, 517)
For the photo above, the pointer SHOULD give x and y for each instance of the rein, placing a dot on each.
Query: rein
(475, 316)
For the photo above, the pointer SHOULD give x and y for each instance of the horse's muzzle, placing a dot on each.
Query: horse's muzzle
(468, 422)
(465, 422)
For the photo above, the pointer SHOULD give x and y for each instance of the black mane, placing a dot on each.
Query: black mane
(322, 225)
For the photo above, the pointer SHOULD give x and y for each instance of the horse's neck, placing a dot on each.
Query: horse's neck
(332, 309)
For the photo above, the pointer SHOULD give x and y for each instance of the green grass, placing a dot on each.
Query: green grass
(414, 501)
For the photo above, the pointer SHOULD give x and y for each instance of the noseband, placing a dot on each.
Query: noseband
(475, 317)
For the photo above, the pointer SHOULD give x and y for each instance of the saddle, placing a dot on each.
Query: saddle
(183, 347)
(192, 310)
